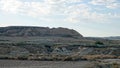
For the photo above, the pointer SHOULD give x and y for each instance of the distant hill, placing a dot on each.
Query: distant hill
(113, 38)
(38, 31)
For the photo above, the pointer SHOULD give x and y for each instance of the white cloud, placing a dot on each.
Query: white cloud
(46, 9)
(102, 2)
(63, 1)
(20, 7)
(83, 13)
(10, 5)
(73, 1)
(112, 4)
(54, 1)
(35, 8)
(94, 18)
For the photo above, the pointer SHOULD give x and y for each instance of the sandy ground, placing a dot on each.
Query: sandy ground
(43, 64)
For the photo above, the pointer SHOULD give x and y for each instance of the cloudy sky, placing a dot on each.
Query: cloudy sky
(89, 17)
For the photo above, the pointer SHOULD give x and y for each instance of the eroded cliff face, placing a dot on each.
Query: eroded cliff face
(73, 51)
(28, 31)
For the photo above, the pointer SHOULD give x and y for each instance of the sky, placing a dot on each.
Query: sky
(93, 18)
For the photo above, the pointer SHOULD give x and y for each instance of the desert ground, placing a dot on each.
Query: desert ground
(42, 64)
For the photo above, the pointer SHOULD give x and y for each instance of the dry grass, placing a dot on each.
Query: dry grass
(93, 57)
(118, 57)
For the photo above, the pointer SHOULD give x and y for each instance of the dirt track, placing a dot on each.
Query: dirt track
(42, 64)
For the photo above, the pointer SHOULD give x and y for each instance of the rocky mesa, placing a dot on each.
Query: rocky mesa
(30, 31)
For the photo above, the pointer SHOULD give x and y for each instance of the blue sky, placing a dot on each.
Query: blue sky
(97, 18)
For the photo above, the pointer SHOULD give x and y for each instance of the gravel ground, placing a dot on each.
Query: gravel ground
(42, 64)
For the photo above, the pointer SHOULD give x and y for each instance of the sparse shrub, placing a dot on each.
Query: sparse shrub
(94, 57)
(118, 57)
(99, 43)
(68, 58)
(116, 65)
